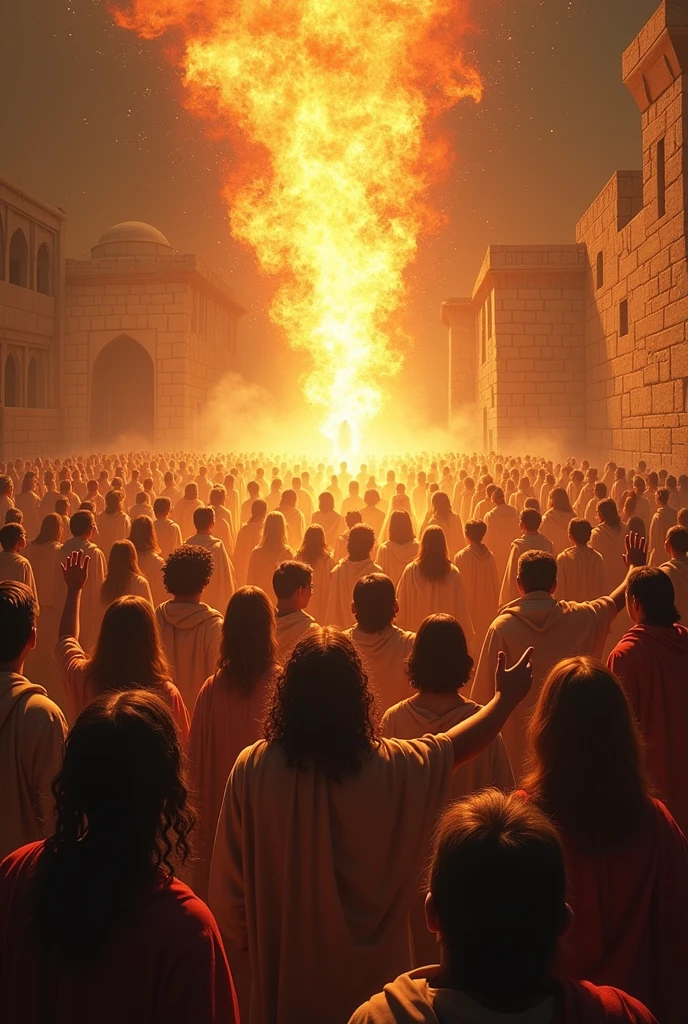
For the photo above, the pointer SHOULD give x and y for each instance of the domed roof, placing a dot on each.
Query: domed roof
(132, 238)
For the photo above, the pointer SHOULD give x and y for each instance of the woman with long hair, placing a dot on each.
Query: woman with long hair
(269, 553)
(555, 521)
(44, 555)
(627, 859)
(440, 514)
(95, 923)
(609, 539)
(395, 554)
(113, 523)
(328, 517)
(29, 503)
(128, 653)
(431, 584)
(314, 552)
(123, 575)
(325, 822)
(143, 536)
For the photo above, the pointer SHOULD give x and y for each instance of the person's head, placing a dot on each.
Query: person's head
(374, 602)
(204, 519)
(313, 546)
(6, 486)
(497, 899)
(123, 563)
(608, 514)
(475, 531)
(128, 652)
(620, 473)
(559, 500)
(497, 496)
(82, 524)
(275, 485)
(161, 508)
(113, 502)
(677, 542)
(663, 495)
(441, 504)
(191, 492)
(537, 570)
(51, 530)
(253, 489)
(169, 479)
(650, 598)
(360, 542)
(586, 758)
(18, 615)
(142, 535)
(371, 497)
(682, 518)
(274, 536)
(580, 531)
(321, 713)
(439, 661)
(12, 537)
(249, 643)
(187, 571)
(530, 520)
(326, 502)
(28, 482)
(638, 485)
(400, 527)
(292, 582)
(14, 515)
(352, 517)
(671, 482)
(636, 525)
(217, 496)
(122, 819)
(433, 557)
(354, 488)
(259, 510)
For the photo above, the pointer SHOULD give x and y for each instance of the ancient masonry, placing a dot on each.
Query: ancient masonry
(583, 347)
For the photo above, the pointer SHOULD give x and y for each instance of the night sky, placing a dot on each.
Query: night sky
(91, 120)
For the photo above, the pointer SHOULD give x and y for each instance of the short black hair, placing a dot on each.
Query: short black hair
(531, 519)
(18, 613)
(537, 570)
(677, 537)
(439, 661)
(374, 599)
(475, 530)
(360, 542)
(203, 517)
(161, 506)
(290, 576)
(580, 530)
(10, 535)
(81, 522)
(187, 570)
(654, 592)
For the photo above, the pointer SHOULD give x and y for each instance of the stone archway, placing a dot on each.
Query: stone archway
(122, 393)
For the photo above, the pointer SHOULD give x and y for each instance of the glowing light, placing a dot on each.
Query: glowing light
(332, 107)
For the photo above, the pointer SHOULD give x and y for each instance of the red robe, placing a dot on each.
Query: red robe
(166, 964)
(652, 664)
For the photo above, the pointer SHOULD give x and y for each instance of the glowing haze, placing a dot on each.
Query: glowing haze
(332, 107)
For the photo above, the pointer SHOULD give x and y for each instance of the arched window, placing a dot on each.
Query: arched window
(34, 385)
(19, 259)
(11, 382)
(43, 270)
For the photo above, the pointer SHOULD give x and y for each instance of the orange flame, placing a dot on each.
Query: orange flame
(336, 104)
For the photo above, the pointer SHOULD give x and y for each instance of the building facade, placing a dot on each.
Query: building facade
(583, 346)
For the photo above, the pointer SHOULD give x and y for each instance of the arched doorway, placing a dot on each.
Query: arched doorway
(19, 259)
(122, 393)
(11, 382)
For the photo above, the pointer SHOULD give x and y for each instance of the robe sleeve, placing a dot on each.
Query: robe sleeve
(72, 661)
(48, 729)
(226, 895)
(483, 688)
(620, 662)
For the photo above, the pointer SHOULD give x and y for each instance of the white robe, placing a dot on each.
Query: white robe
(111, 527)
(393, 558)
(453, 531)
(343, 579)
(502, 523)
(526, 542)
(419, 597)
(151, 565)
(290, 629)
(384, 656)
(223, 582)
(478, 570)
(247, 539)
(15, 567)
(333, 525)
(677, 571)
(261, 568)
(555, 526)
(322, 578)
(664, 518)
(581, 575)
(184, 512)
(169, 535)
(296, 525)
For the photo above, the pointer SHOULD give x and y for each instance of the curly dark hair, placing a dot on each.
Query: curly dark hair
(187, 570)
(322, 709)
(122, 815)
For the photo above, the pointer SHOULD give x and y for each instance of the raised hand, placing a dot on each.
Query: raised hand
(75, 570)
(636, 550)
(514, 683)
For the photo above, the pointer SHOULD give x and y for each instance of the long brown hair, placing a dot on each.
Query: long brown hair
(50, 531)
(123, 563)
(587, 769)
(128, 652)
(433, 558)
(314, 546)
(249, 640)
(143, 536)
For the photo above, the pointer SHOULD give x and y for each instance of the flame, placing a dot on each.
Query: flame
(333, 109)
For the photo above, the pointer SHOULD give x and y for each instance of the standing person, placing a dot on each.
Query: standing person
(330, 520)
(292, 583)
(395, 554)
(13, 564)
(224, 524)
(143, 536)
(222, 582)
(362, 807)
(382, 647)
(651, 660)
(599, 494)
(293, 517)
(29, 503)
(248, 538)
(502, 523)
(50, 495)
(113, 524)
(431, 584)
(497, 908)
(355, 566)
(128, 653)
(267, 555)
(555, 522)
(247, 506)
(168, 534)
(627, 860)
(123, 575)
(185, 508)
(449, 521)
(94, 916)
(581, 574)
(664, 518)
(314, 552)
(531, 539)
(478, 569)
(32, 728)
(190, 630)
(676, 546)
(83, 525)
(6, 495)
(609, 539)
(44, 555)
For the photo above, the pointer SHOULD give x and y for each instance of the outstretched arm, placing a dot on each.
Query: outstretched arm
(635, 556)
(75, 572)
(511, 686)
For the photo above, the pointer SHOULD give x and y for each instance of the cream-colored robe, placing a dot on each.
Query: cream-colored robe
(393, 558)
(14, 566)
(373, 516)
(290, 629)
(112, 527)
(261, 567)
(322, 578)
(191, 635)
(526, 542)
(555, 526)
(222, 528)
(91, 605)
(316, 878)
(151, 565)
(677, 571)
(664, 518)
(30, 505)
(40, 664)
(611, 544)
(183, 514)
(478, 570)
(169, 535)
(419, 597)
(581, 574)
(333, 525)
(223, 582)
(296, 525)
(502, 523)
(343, 579)
(247, 539)
(384, 657)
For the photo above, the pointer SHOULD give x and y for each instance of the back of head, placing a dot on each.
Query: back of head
(682, 518)
(374, 602)
(82, 523)
(653, 592)
(128, 650)
(400, 527)
(217, 496)
(559, 500)
(677, 539)
(203, 518)
(498, 887)
(314, 545)
(14, 515)
(580, 531)
(161, 507)
(289, 498)
(191, 492)
(532, 503)
(530, 519)
(18, 614)
(187, 570)
(259, 509)
(439, 661)
(11, 535)
(142, 535)
(360, 542)
(352, 517)
(289, 577)
(274, 532)
(321, 708)
(609, 513)
(326, 502)
(113, 501)
(121, 811)
(497, 496)
(433, 558)
(249, 645)
(51, 529)
(441, 503)
(475, 530)
(371, 497)
(582, 718)
(663, 495)
(537, 570)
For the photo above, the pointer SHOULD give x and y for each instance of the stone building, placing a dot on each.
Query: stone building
(583, 346)
(122, 348)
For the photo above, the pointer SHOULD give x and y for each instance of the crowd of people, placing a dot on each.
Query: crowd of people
(288, 743)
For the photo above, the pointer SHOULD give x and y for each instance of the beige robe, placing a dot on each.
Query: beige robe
(677, 571)
(393, 558)
(333, 525)
(140, 509)
(261, 567)
(40, 663)
(296, 525)
(343, 579)
(556, 630)
(526, 542)
(30, 504)
(151, 565)
(191, 635)
(224, 528)
(15, 567)
(292, 847)
(322, 578)
(112, 527)
(419, 597)
(478, 569)
(664, 518)
(247, 539)
(290, 629)
(91, 605)
(169, 535)
(611, 544)
(581, 574)
(32, 735)
(502, 524)
(184, 513)
(373, 516)
(223, 582)
(384, 656)
(555, 526)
